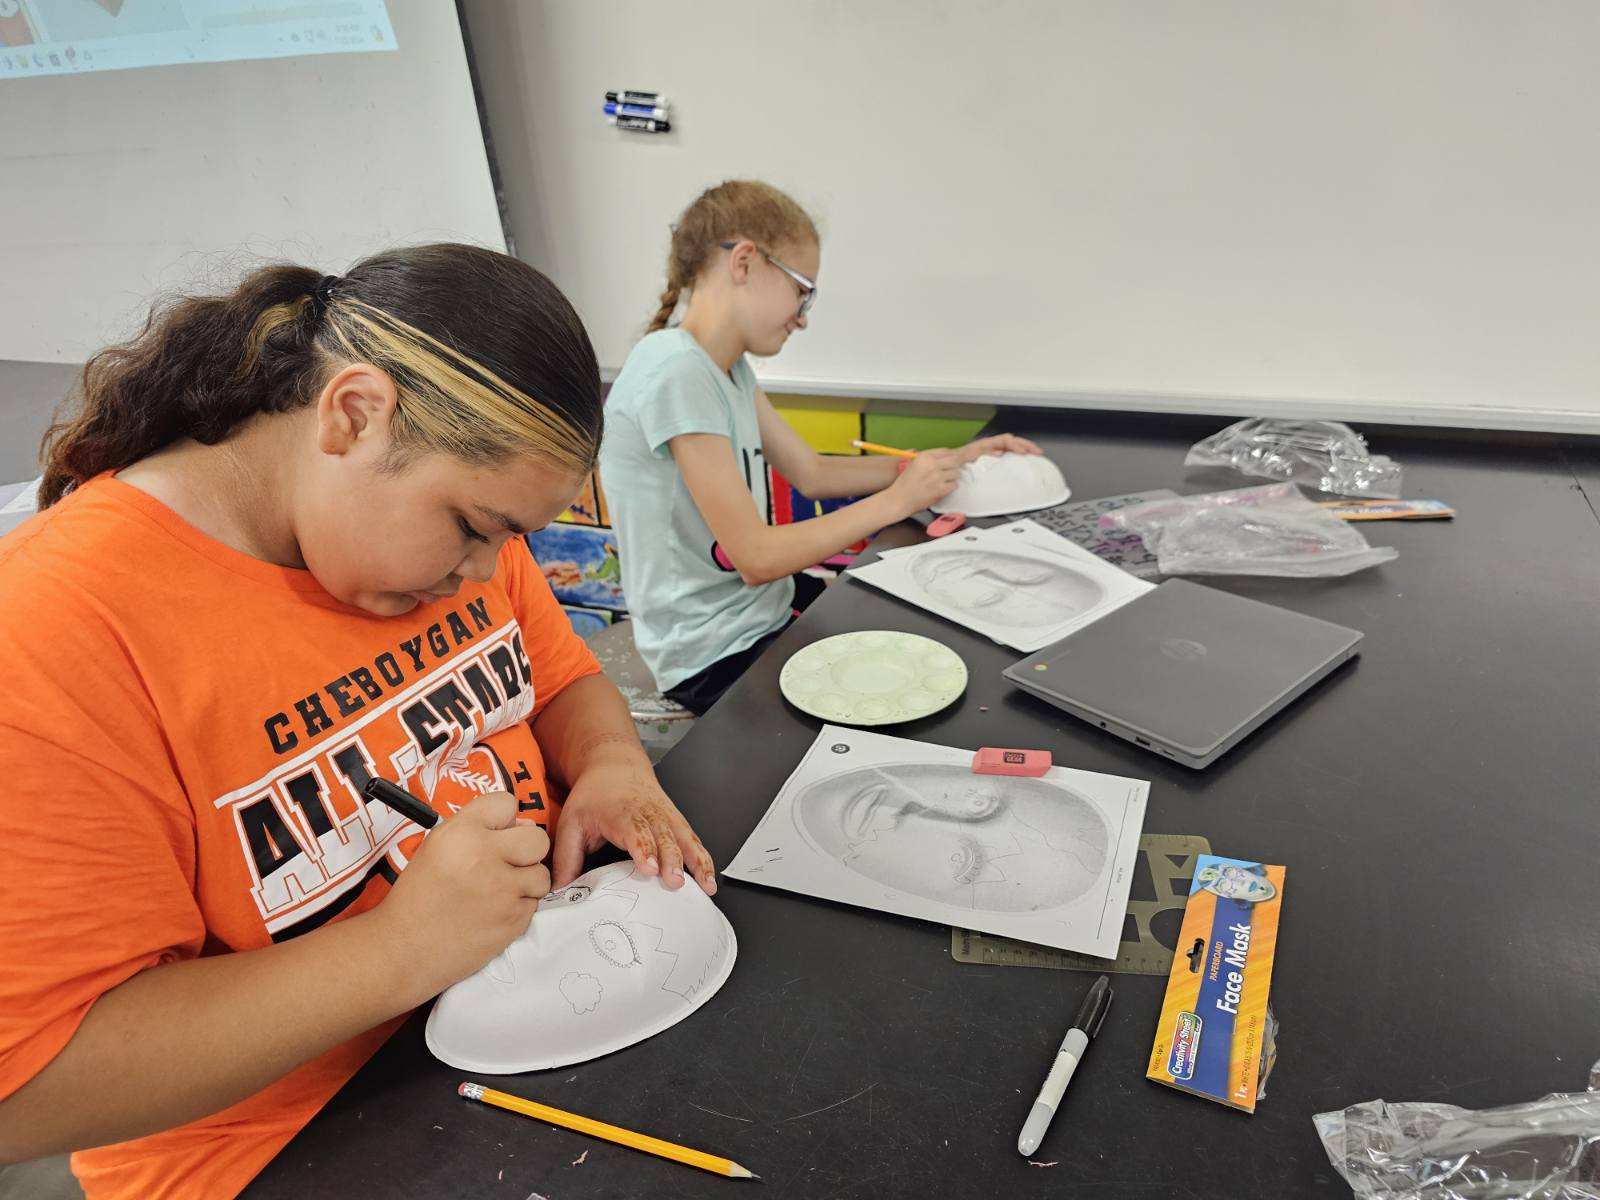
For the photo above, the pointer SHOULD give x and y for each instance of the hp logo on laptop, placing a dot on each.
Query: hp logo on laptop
(1182, 650)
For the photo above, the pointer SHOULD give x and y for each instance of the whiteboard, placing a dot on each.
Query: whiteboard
(115, 186)
(1372, 209)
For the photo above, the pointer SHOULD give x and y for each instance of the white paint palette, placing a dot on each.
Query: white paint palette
(873, 677)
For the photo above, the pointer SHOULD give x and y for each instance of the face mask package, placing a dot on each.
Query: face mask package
(1271, 530)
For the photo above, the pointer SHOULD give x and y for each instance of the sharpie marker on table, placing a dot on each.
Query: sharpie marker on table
(1091, 1013)
(649, 99)
(641, 124)
(635, 110)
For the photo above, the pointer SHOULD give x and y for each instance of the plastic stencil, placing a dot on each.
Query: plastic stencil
(1166, 864)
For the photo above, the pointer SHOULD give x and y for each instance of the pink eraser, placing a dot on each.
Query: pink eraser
(992, 760)
(946, 523)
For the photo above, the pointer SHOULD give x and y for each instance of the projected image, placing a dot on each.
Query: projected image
(58, 37)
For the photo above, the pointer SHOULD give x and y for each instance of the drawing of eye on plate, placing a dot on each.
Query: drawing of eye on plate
(609, 960)
(936, 830)
(874, 677)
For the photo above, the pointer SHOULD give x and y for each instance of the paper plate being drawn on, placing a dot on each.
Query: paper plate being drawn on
(907, 827)
(611, 959)
(1006, 483)
(1000, 844)
(874, 677)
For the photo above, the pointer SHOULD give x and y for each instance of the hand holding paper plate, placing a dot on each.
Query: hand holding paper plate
(611, 959)
(1006, 483)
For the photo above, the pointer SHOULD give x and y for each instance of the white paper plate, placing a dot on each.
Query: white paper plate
(609, 960)
(875, 677)
(997, 484)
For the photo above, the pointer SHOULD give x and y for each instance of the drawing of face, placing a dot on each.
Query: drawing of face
(618, 938)
(605, 962)
(1006, 588)
(939, 831)
(1236, 883)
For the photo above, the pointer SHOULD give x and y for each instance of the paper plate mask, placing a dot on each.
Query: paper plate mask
(609, 960)
(1006, 483)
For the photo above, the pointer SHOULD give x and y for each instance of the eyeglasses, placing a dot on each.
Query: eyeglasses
(808, 290)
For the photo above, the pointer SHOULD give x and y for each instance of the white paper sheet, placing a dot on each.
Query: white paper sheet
(906, 827)
(1018, 584)
(20, 497)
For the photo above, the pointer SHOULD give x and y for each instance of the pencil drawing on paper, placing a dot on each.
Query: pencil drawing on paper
(615, 939)
(911, 828)
(613, 942)
(613, 958)
(936, 830)
(1007, 589)
(582, 991)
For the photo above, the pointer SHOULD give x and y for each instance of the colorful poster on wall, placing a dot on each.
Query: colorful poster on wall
(581, 565)
(790, 505)
(586, 622)
(590, 506)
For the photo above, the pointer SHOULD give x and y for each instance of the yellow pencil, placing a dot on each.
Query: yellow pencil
(611, 1133)
(875, 448)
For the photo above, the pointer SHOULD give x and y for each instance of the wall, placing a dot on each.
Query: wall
(1355, 208)
(121, 184)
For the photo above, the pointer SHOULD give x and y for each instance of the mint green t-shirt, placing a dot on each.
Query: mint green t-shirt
(688, 611)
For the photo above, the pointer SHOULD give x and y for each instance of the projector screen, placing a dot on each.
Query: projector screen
(118, 185)
(53, 37)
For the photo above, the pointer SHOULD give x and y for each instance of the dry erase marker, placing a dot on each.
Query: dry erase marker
(1084, 1026)
(651, 99)
(402, 801)
(642, 124)
(635, 110)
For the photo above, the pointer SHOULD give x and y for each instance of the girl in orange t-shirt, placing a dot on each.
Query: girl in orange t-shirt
(280, 553)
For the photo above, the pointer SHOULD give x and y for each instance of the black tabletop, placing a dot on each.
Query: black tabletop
(1434, 805)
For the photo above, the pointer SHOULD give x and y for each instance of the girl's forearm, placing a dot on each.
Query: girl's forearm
(587, 720)
(182, 1041)
(852, 475)
(780, 550)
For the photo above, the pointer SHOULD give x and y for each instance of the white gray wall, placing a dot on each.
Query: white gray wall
(1366, 208)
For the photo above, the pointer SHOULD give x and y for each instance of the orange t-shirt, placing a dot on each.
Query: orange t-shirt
(183, 741)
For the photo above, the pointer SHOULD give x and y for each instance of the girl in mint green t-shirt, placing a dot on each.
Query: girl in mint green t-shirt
(689, 436)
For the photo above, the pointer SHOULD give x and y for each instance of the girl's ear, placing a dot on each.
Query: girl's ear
(356, 405)
(740, 259)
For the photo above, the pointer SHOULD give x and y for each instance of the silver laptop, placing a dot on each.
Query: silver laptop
(1186, 671)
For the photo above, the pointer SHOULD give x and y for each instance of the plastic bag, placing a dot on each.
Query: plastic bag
(1271, 530)
(1547, 1149)
(1326, 455)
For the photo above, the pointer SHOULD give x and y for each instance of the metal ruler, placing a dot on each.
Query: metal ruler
(1168, 862)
